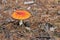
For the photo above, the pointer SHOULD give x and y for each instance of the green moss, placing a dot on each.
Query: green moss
(57, 35)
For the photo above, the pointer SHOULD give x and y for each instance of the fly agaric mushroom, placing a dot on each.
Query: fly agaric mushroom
(21, 15)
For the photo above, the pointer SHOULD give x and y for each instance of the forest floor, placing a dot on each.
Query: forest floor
(44, 12)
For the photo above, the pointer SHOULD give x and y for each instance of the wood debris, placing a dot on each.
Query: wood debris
(29, 2)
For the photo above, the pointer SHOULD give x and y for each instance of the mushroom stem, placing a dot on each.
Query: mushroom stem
(21, 22)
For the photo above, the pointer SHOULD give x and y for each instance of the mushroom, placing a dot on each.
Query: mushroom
(21, 15)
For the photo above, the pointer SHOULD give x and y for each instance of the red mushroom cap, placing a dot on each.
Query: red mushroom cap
(21, 14)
